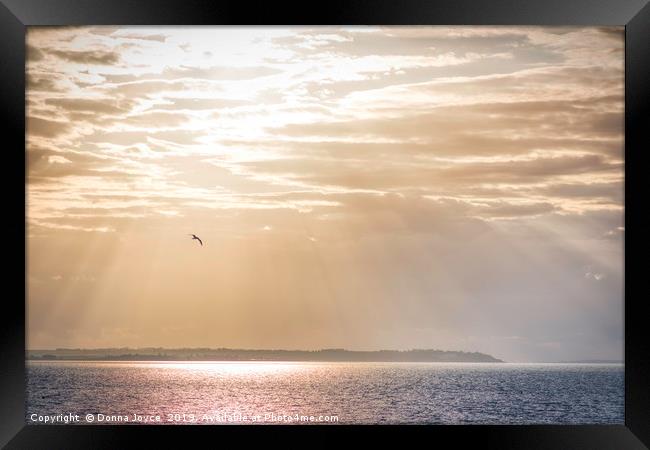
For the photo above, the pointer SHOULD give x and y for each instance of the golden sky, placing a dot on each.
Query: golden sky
(457, 188)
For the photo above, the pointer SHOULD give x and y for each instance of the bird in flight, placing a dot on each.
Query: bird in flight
(194, 236)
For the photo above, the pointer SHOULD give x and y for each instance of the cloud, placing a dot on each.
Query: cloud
(174, 137)
(504, 209)
(46, 128)
(513, 128)
(392, 213)
(611, 190)
(100, 57)
(40, 83)
(105, 105)
(33, 54)
(428, 176)
(141, 36)
(144, 88)
(531, 170)
(49, 166)
(56, 159)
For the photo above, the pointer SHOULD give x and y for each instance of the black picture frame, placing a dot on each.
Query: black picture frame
(16, 15)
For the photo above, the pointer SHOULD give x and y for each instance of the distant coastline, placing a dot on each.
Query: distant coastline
(593, 361)
(227, 354)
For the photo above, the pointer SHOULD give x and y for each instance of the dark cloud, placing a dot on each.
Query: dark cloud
(143, 37)
(46, 165)
(533, 170)
(431, 145)
(517, 127)
(504, 209)
(99, 57)
(33, 54)
(177, 137)
(41, 82)
(428, 175)
(212, 73)
(613, 191)
(615, 33)
(108, 211)
(46, 128)
(107, 105)
(144, 88)
(36, 154)
(55, 171)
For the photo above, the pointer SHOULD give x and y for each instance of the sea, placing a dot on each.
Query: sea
(303, 393)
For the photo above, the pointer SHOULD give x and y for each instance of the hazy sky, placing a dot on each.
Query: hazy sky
(457, 188)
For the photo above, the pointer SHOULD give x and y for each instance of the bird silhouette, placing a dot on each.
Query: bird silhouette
(194, 236)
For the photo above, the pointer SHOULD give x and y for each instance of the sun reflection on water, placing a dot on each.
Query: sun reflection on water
(233, 367)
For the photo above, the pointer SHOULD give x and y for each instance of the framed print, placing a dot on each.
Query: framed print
(245, 218)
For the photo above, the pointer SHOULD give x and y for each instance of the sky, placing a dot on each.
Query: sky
(455, 188)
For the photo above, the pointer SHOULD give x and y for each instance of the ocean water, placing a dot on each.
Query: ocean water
(314, 392)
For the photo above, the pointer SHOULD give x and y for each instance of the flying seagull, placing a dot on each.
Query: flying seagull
(194, 236)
